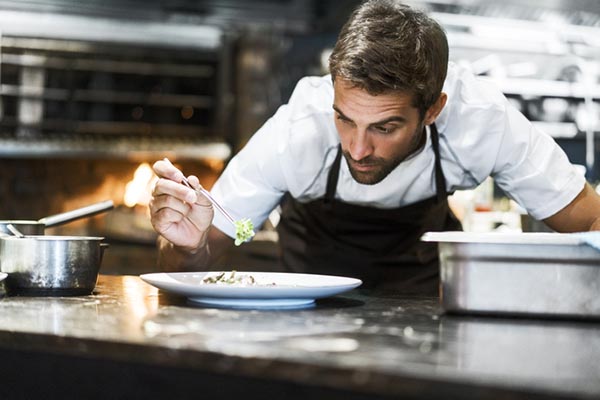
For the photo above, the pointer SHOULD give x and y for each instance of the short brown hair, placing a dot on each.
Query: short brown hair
(388, 46)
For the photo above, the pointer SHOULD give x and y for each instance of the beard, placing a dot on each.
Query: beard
(372, 170)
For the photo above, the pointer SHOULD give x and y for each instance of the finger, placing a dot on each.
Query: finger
(157, 203)
(168, 187)
(201, 216)
(166, 211)
(195, 182)
(165, 218)
(164, 169)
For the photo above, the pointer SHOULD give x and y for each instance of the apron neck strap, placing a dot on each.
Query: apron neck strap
(332, 177)
(440, 180)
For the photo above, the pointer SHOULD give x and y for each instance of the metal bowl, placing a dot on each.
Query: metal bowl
(51, 265)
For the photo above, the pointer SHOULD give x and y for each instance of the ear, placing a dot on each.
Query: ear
(435, 109)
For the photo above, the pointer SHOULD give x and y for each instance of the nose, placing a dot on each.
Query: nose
(360, 145)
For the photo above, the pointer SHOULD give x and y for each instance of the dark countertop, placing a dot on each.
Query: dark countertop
(356, 345)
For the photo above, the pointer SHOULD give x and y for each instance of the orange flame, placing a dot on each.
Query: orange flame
(138, 190)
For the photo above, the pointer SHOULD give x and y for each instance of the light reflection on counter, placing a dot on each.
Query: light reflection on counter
(142, 299)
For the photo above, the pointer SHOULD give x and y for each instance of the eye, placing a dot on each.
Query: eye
(384, 129)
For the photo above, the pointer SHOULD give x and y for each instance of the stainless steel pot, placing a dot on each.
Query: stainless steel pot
(37, 227)
(51, 265)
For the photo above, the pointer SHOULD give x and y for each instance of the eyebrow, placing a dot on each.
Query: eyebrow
(393, 118)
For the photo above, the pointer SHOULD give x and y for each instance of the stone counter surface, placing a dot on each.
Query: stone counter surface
(356, 345)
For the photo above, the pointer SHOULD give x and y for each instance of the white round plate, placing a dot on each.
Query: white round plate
(272, 289)
(271, 304)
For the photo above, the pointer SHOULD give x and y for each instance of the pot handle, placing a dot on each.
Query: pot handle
(78, 213)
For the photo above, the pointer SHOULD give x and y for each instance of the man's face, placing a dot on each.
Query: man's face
(377, 132)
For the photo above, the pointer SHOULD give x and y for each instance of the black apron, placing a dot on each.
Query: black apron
(380, 246)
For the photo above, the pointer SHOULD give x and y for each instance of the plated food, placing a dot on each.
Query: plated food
(233, 278)
(270, 290)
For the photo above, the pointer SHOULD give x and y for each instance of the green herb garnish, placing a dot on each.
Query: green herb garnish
(231, 279)
(244, 230)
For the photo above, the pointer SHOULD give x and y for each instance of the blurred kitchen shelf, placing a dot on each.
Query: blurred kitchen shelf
(108, 96)
(78, 86)
(519, 35)
(134, 148)
(82, 64)
(88, 28)
(51, 128)
(548, 88)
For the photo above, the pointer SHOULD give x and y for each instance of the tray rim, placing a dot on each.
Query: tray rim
(529, 238)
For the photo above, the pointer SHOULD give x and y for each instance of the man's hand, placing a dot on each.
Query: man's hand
(177, 212)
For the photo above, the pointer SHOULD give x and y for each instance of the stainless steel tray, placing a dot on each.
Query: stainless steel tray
(543, 274)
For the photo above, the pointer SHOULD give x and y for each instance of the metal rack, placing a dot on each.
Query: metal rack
(544, 64)
(109, 90)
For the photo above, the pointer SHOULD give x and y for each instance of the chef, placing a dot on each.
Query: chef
(362, 161)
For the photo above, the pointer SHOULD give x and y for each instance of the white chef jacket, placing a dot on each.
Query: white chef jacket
(481, 135)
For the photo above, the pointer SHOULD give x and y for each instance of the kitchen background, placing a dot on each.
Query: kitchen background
(91, 93)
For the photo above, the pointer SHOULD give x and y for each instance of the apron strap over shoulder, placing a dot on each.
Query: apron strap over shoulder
(440, 179)
(332, 178)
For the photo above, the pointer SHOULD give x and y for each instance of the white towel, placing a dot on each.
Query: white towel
(590, 238)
